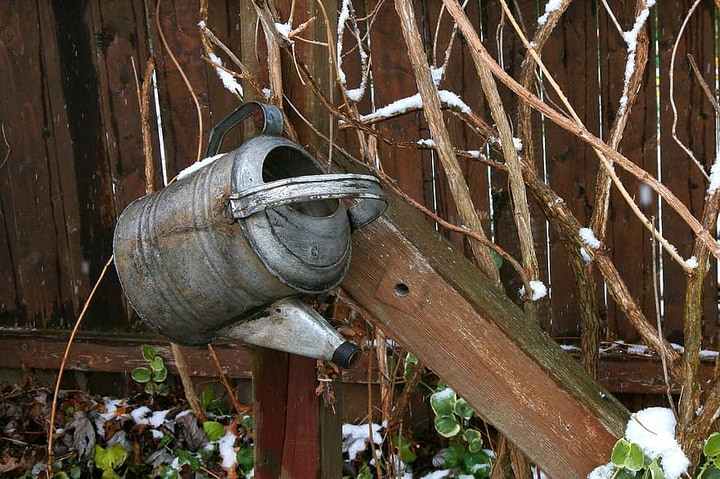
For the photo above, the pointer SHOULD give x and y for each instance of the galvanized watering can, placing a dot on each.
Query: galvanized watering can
(228, 250)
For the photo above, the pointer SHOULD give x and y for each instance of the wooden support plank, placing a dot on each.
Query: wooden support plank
(290, 437)
(628, 374)
(443, 310)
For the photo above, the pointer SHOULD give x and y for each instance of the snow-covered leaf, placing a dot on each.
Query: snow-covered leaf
(443, 402)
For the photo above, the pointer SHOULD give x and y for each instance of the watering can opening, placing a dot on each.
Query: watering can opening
(283, 162)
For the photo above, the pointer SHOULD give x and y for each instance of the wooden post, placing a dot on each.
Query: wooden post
(296, 435)
(439, 306)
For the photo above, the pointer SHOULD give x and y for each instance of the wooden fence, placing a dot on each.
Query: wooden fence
(71, 155)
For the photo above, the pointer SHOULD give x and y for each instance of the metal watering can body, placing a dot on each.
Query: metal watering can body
(225, 251)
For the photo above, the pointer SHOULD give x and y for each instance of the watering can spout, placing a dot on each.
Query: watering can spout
(292, 326)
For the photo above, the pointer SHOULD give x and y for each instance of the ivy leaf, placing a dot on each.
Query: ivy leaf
(157, 364)
(620, 451)
(454, 456)
(410, 362)
(405, 448)
(246, 459)
(636, 459)
(110, 458)
(712, 472)
(478, 461)
(214, 430)
(160, 376)
(711, 449)
(447, 426)
(141, 375)
(654, 471)
(474, 440)
(148, 352)
(443, 402)
(463, 409)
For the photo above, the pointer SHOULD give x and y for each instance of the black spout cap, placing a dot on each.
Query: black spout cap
(346, 355)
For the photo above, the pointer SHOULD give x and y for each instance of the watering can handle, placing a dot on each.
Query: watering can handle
(288, 191)
(267, 117)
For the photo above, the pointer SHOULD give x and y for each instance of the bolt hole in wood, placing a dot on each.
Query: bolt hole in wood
(401, 290)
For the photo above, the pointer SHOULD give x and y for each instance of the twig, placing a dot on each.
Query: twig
(185, 79)
(711, 95)
(658, 318)
(424, 210)
(433, 115)
(485, 60)
(236, 405)
(66, 354)
(7, 145)
(673, 129)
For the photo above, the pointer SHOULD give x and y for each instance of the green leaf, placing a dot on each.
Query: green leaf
(141, 375)
(148, 352)
(463, 409)
(110, 458)
(246, 459)
(474, 440)
(712, 472)
(478, 461)
(157, 364)
(711, 449)
(654, 471)
(447, 426)
(214, 430)
(110, 474)
(454, 456)
(636, 458)
(410, 362)
(189, 459)
(405, 449)
(620, 451)
(443, 402)
(160, 376)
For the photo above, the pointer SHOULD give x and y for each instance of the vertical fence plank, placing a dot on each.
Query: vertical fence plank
(696, 128)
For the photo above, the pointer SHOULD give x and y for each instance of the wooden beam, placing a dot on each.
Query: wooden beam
(618, 373)
(439, 306)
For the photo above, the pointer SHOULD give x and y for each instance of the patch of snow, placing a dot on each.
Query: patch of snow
(539, 290)
(284, 29)
(198, 165)
(638, 349)
(414, 102)
(570, 348)
(550, 7)
(692, 262)
(586, 256)
(706, 354)
(226, 449)
(356, 438)
(555, 202)
(441, 474)
(589, 238)
(630, 38)
(437, 74)
(228, 80)
(446, 393)
(143, 415)
(653, 429)
(606, 471)
(714, 176)
(426, 142)
(517, 143)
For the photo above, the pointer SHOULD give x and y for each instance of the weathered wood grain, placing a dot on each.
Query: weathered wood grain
(438, 306)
